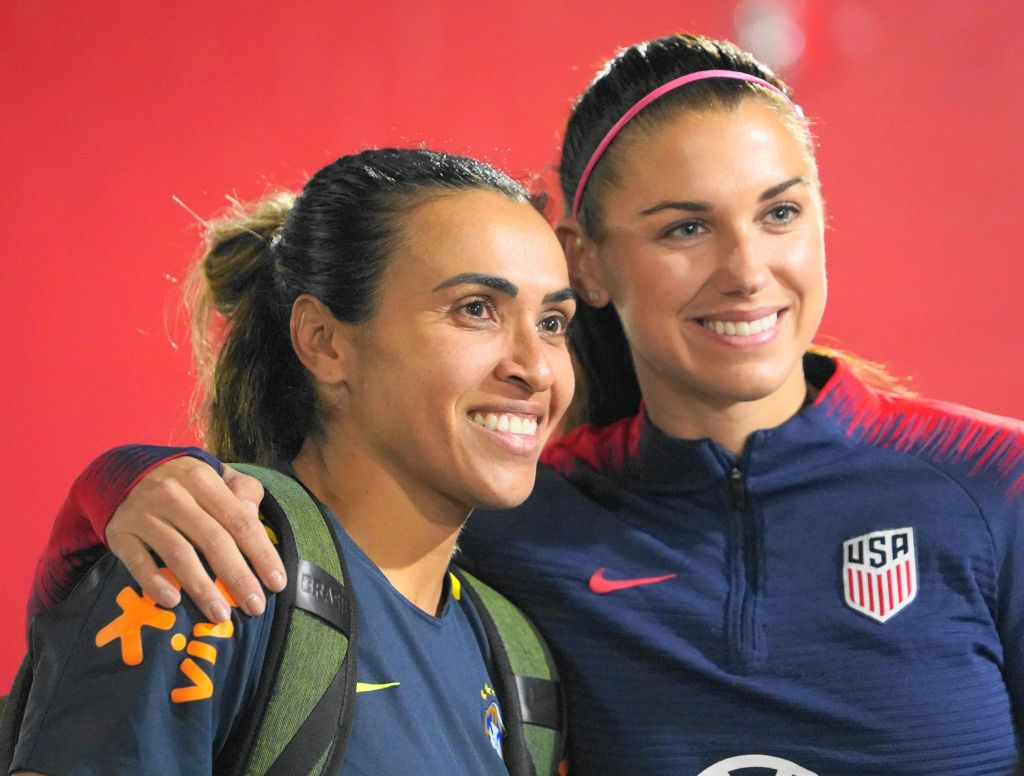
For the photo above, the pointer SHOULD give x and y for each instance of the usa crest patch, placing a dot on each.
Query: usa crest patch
(880, 572)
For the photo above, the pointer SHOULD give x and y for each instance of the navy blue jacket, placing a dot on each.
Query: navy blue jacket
(846, 597)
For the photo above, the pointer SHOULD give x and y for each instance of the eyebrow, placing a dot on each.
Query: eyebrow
(479, 279)
(774, 191)
(699, 206)
(686, 204)
(502, 285)
(559, 296)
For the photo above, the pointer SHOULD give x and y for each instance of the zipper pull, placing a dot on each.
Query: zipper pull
(737, 489)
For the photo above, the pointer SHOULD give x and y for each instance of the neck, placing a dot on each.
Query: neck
(725, 420)
(408, 533)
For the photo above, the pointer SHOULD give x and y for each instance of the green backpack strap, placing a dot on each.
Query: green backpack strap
(301, 713)
(525, 679)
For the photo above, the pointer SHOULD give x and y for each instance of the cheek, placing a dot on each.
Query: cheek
(657, 294)
(803, 265)
(457, 373)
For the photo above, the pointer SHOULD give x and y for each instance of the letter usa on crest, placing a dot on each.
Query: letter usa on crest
(880, 572)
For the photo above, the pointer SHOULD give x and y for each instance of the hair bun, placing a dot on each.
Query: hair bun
(240, 249)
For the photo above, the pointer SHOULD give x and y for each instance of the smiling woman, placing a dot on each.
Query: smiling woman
(446, 333)
(750, 557)
(394, 338)
(717, 268)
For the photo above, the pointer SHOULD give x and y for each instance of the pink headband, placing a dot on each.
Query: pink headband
(645, 101)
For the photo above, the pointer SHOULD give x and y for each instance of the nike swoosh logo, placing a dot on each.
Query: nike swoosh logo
(367, 687)
(600, 585)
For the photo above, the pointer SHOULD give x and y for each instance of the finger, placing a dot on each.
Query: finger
(223, 528)
(160, 512)
(244, 487)
(183, 561)
(140, 564)
(249, 532)
(232, 571)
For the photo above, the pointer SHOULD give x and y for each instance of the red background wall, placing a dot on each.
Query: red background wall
(111, 109)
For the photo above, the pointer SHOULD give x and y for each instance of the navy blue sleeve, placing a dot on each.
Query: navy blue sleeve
(1009, 543)
(994, 480)
(124, 686)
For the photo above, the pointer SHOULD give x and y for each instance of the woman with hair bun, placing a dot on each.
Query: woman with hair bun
(361, 338)
(756, 555)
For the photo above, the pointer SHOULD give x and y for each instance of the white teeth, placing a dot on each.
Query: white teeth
(742, 328)
(513, 424)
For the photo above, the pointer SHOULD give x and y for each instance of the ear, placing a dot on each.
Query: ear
(585, 271)
(320, 340)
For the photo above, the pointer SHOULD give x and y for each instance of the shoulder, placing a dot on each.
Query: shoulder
(107, 621)
(123, 681)
(600, 448)
(982, 452)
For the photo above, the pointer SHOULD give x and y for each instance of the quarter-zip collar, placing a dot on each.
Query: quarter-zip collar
(662, 463)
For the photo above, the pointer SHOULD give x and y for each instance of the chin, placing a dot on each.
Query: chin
(506, 495)
(750, 382)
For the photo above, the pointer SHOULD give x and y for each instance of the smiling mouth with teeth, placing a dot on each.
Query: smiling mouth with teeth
(513, 424)
(742, 328)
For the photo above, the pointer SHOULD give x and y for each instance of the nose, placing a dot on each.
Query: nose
(742, 269)
(526, 361)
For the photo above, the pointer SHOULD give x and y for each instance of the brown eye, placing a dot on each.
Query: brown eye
(554, 324)
(481, 308)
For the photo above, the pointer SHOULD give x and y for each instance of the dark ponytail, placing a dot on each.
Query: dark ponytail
(598, 340)
(333, 241)
(252, 388)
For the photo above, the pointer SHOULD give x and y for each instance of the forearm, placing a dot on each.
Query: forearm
(77, 537)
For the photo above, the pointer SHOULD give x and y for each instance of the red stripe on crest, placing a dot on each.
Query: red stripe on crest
(881, 596)
(888, 579)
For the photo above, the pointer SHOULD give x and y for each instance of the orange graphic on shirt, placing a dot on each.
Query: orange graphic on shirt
(138, 612)
(201, 687)
(220, 630)
(142, 611)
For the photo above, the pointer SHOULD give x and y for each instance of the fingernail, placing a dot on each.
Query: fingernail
(276, 581)
(219, 611)
(168, 597)
(254, 604)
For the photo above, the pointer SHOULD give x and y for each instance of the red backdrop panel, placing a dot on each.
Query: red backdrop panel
(112, 110)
